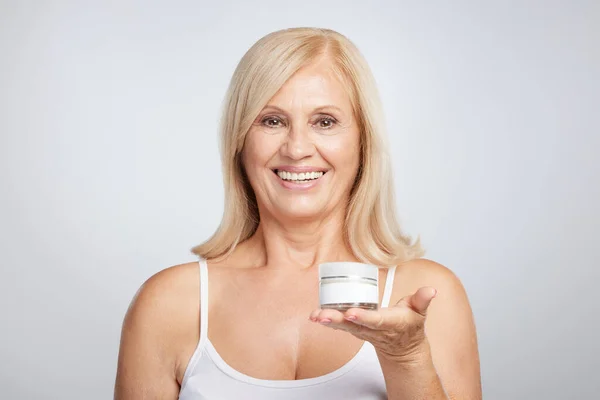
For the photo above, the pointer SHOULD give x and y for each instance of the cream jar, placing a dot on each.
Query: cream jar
(345, 285)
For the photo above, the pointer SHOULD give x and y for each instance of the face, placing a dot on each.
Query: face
(302, 152)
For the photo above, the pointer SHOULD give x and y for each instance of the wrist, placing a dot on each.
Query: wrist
(418, 356)
(411, 375)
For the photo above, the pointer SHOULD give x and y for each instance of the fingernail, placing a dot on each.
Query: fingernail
(350, 318)
(325, 321)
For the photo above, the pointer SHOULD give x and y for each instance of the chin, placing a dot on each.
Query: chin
(301, 212)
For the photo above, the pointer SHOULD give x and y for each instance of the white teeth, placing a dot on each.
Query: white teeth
(302, 176)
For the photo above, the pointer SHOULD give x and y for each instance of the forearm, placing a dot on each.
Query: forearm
(416, 379)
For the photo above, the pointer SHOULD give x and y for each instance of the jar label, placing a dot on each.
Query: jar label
(348, 292)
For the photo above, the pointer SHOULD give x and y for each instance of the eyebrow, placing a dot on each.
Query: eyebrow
(318, 109)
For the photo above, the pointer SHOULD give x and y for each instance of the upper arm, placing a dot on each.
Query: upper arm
(451, 333)
(148, 359)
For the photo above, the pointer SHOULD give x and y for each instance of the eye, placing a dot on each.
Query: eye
(326, 122)
(272, 122)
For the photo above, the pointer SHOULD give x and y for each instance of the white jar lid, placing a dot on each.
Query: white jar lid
(346, 268)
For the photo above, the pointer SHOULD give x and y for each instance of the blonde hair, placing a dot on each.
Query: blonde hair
(371, 227)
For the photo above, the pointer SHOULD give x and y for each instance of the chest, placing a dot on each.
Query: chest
(262, 330)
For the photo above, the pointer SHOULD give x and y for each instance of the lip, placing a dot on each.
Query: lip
(291, 185)
(299, 168)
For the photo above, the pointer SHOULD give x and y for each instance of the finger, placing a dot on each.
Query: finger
(336, 320)
(368, 318)
(328, 316)
(322, 313)
(315, 314)
(420, 300)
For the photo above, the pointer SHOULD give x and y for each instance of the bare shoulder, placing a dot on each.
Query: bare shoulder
(159, 332)
(420, 272)
(425, 268)
(165, 295)
(166, 303)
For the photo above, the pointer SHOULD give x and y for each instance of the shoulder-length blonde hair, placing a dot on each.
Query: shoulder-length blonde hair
(371, 227)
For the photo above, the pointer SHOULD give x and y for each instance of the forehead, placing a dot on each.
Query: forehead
(312, 86)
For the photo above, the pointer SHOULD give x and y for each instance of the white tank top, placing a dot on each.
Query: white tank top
(209, 377)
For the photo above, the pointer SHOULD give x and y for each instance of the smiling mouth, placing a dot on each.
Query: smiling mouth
(300, 177)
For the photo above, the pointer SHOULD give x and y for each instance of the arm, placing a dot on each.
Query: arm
(148, 363)
(417, 379)
(426, 346)
(447, 365)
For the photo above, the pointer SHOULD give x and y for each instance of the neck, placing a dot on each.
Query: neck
(298, 245)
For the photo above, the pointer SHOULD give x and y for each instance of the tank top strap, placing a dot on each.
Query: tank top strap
(203, 272)
(203, 302)
(389, 286)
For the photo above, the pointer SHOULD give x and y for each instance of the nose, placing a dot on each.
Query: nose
(298, 143)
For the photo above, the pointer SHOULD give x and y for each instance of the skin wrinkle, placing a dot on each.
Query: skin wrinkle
(342, 122)
(317, 216)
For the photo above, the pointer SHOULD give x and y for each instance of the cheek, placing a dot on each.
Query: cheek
(258, 150)
(343, 152)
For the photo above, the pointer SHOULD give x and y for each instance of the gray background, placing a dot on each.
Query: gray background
(110, 171)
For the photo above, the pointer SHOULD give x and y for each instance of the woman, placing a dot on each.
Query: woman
(307, 180)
